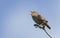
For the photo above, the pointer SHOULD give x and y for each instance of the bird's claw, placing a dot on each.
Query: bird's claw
(36, 25)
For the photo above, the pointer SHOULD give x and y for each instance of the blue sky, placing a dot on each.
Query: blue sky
(17, 23)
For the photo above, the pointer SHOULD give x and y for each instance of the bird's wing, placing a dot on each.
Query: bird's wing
(41, 18)
(44, 21)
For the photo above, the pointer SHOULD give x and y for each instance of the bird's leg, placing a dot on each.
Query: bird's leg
(37, 25)
(42, 26)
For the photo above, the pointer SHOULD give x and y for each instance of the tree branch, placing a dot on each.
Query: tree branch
(43, 29)
(47, 33)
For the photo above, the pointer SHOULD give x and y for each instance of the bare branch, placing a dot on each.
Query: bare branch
(47, 33)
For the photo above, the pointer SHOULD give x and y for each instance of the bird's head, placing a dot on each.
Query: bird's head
(34, 13)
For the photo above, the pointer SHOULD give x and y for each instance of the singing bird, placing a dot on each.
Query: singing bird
(39, 19)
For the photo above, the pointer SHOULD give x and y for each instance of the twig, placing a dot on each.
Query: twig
(47, 33)
(43, 29)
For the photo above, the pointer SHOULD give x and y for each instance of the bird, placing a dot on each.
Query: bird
(39, 19)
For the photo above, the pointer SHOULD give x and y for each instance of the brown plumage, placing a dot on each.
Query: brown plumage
(39, 19)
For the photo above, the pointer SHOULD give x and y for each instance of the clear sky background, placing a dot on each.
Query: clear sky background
(15, 21)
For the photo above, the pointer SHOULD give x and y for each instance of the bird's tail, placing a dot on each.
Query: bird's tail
(48, 26)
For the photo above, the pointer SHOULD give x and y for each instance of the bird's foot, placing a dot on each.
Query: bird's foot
(36, 25)
(40, 26)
